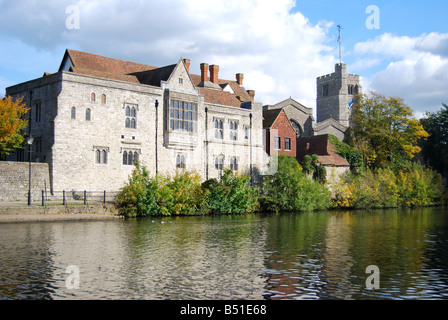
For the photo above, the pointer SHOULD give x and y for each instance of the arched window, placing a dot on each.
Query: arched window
(93, 97)
(128, 112)
(131, 117)
(73, 113)
(88, 114)
(135, 157)
(128, 122)
(125, 158)
(130, 159)
(104, 157)
(103, 99)
(180, 161)
(219, 162)
(98, 156)
(133, 123)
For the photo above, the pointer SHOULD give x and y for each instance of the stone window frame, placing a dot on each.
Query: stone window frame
(219, 128)
(183, 116)
(88, 114)
(103, 98)
(130, 156)
(37, 111)
(181, 161)
(234, 163)
(73, 113)
(219, 162)
(93, 97)
(101, 155)
(131, 113)
(233, 130)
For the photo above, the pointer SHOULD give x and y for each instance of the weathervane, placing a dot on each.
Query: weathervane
(339, 40)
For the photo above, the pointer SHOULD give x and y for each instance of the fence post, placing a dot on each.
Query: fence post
(85, 197)
(64, 202)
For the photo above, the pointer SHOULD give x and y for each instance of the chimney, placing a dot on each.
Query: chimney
(251, 93)
(214, 70)
(187, 64)
(239, 78)
(204, 72)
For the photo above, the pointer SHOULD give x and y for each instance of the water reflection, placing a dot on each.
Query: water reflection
(322, 255)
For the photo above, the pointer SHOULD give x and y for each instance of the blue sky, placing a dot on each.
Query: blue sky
(281, 46)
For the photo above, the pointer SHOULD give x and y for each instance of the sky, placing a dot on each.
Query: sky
(399, 48)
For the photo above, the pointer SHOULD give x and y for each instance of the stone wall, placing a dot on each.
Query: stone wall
(14, 180)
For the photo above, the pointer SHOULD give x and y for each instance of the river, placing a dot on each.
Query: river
(318, 255)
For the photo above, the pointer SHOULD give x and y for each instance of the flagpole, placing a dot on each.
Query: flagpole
(339, 40)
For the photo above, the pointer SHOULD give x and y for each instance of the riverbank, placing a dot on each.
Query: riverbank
(21, 212)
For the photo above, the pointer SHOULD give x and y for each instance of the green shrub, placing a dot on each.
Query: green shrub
(290, 190)
(232, 193)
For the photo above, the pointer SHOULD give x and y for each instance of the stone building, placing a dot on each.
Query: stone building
(95, 117)
(335, 94)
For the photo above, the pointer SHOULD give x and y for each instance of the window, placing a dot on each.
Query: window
(181, 81)
(234, 163)
(233, 130)
(101, 155)
(277, 143)
(130, 158)
(183, 116)
(131, 117)
(38, 111)
(103, 99)
(93, 97)
(73, 113)
(180, 161)
(37, 145)
(288, 144)
(246, 133)
(88, 114)
(219, 132)
(325, 90)
(351, 89)
(219, 163)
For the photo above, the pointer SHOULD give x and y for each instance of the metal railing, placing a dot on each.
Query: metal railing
(78, 197)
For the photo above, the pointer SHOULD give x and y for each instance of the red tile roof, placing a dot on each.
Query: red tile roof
(109, 68)
(320, 146)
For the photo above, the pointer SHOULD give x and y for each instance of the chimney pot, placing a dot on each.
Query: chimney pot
(239, 78)
(214, 70)
(204, 72)
(187, 64)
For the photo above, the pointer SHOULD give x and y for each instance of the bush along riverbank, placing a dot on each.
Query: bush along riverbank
(288, 190)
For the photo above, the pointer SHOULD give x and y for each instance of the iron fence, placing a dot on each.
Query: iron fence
(78, 197)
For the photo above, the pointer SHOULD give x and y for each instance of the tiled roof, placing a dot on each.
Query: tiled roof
(219, 97)
(95, 62)
(320, 146)
(109, 68)
(269, 117)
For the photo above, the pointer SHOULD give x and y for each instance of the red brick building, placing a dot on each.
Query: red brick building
(280, 134)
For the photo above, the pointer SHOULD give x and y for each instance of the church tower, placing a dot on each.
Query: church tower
(335, 93)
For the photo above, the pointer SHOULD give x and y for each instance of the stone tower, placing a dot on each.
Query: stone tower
(334, 93)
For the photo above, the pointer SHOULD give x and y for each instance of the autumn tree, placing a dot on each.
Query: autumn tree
(435, 148)
(12, 123)
(385, 131)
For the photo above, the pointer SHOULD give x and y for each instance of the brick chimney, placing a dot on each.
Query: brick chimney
(204, 72)
(214, 70)
(239, 78)
(187, 64)
(251, 93)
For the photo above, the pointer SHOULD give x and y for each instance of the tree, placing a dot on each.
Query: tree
(435, 148)
(385, 131)
(12, 123)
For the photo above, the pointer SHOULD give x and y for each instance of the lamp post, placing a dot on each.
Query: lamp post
(30, 143)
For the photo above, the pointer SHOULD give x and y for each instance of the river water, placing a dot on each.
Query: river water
(319, 255)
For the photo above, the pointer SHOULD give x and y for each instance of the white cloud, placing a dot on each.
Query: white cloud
(280, 51)
(417, 68)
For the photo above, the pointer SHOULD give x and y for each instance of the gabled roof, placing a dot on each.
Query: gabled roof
(269, 117)
(322, 147)
(109, 68)
(291, 102)
(92, 61)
